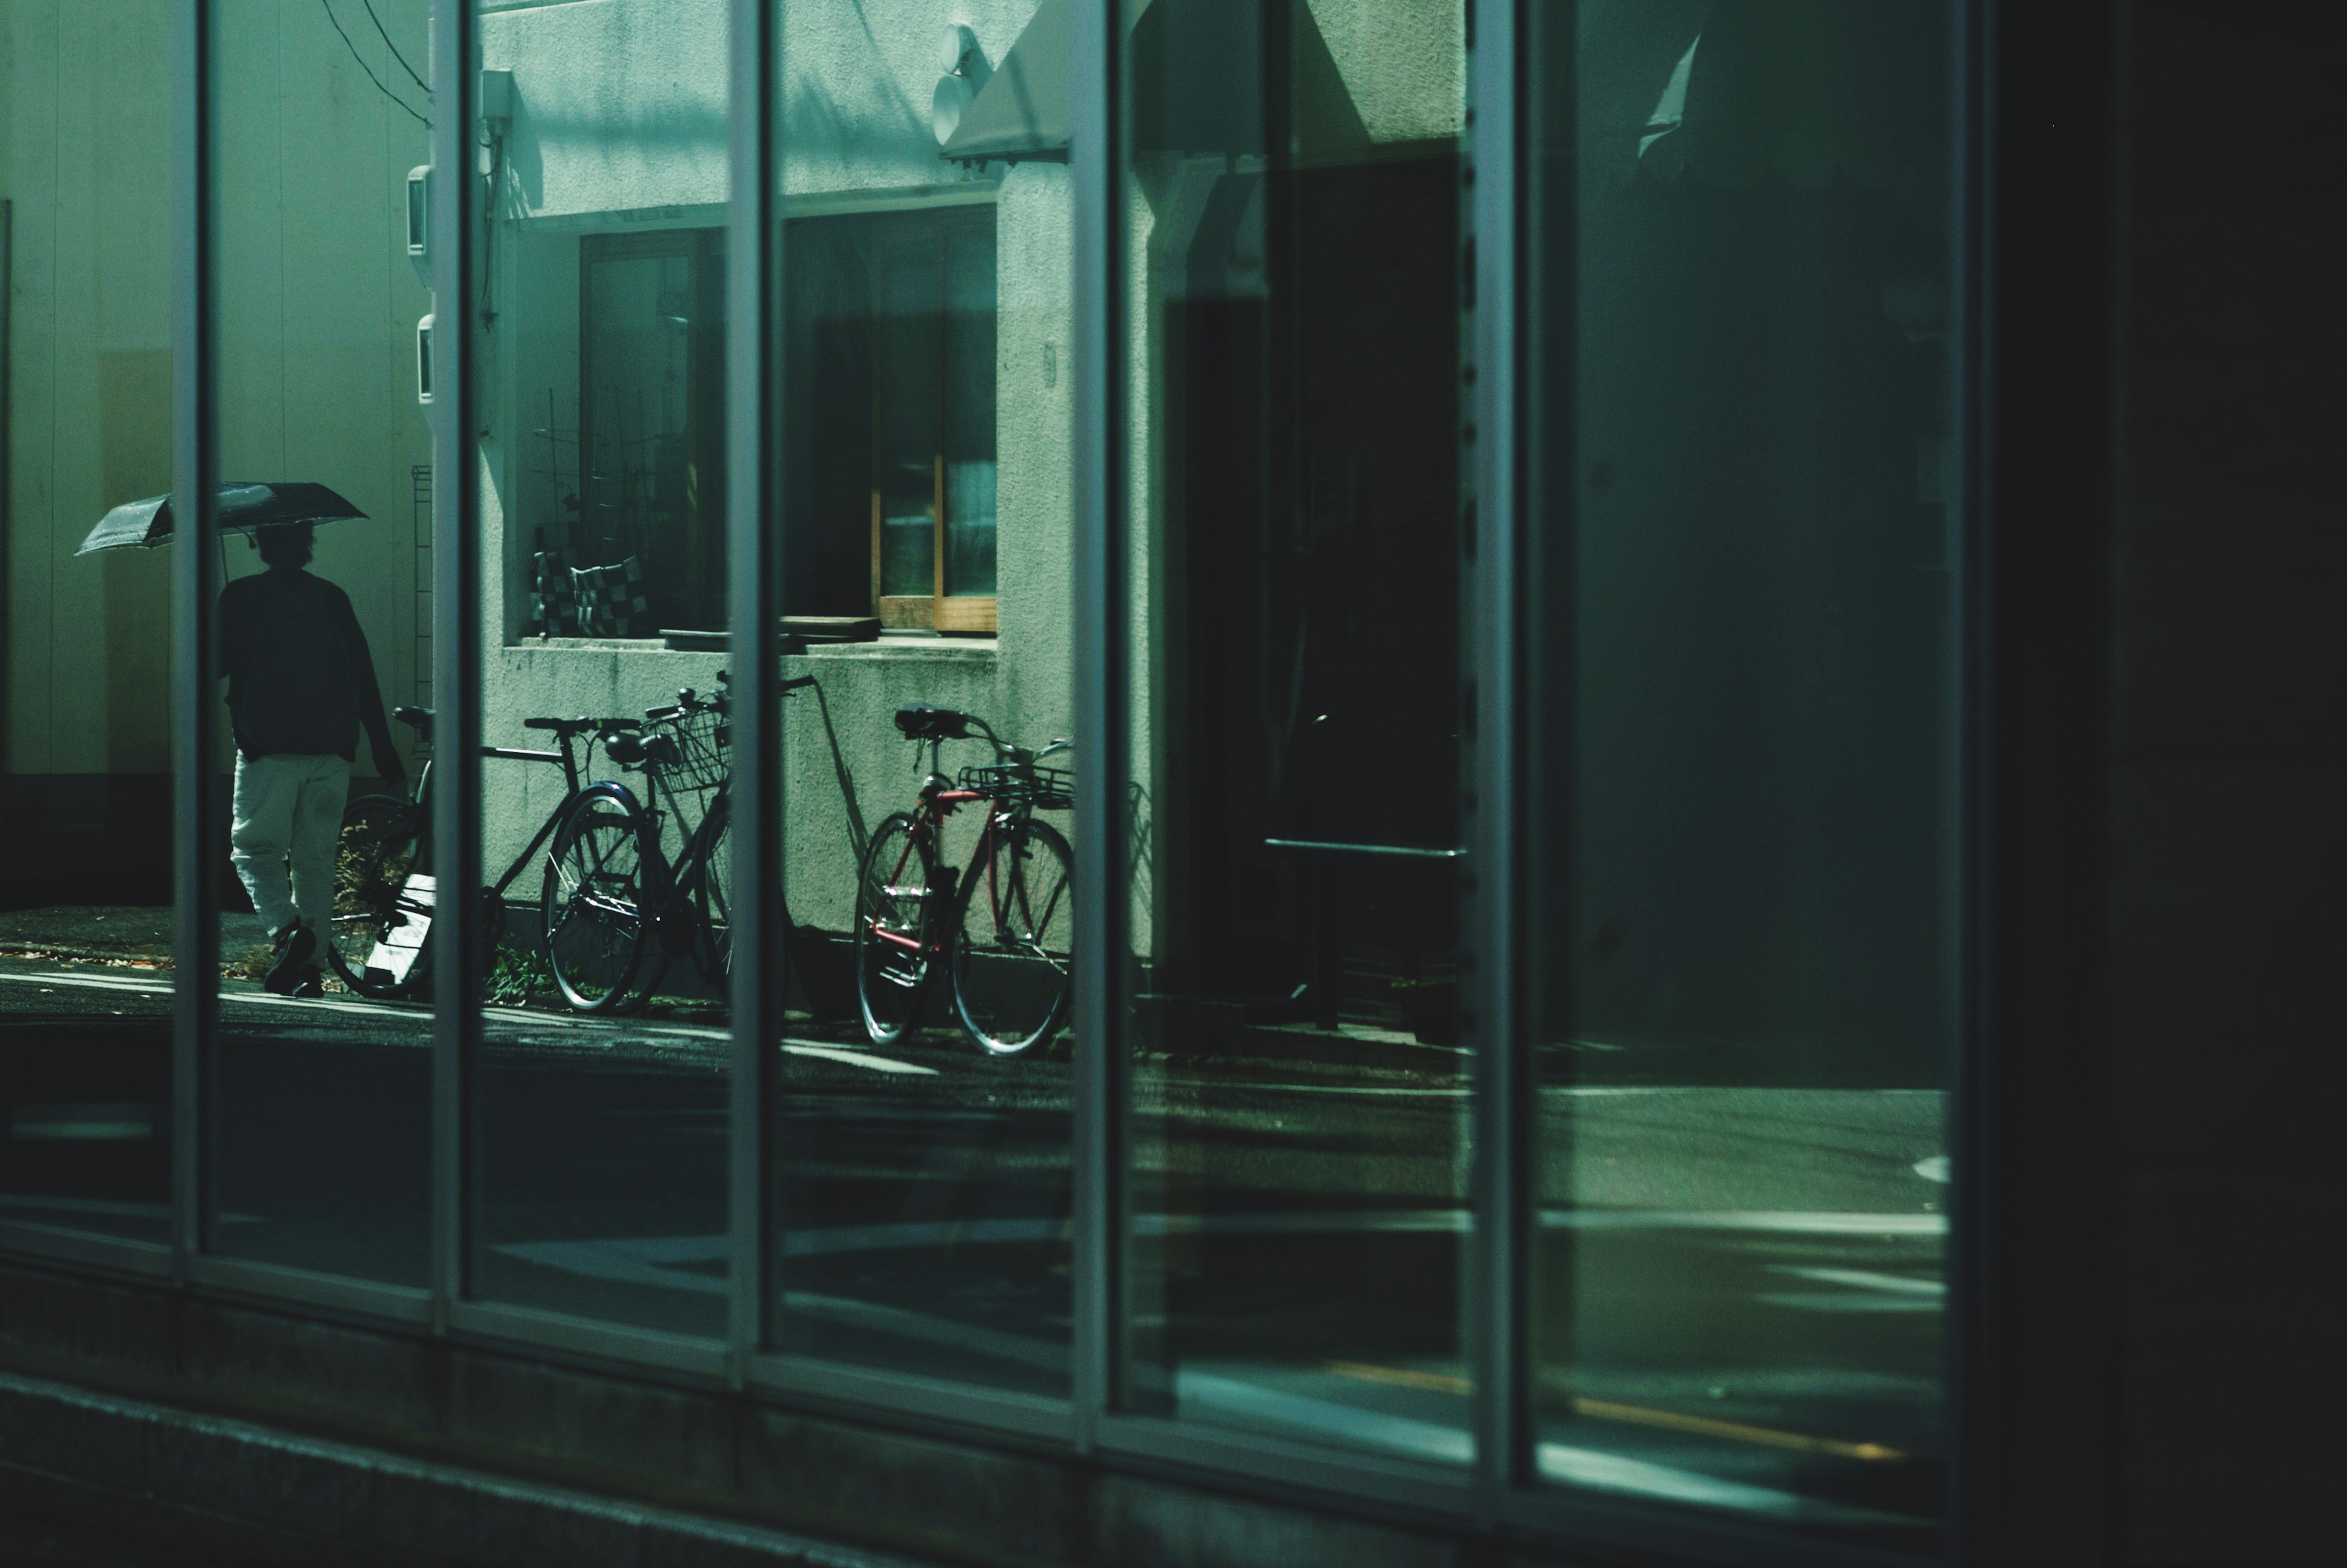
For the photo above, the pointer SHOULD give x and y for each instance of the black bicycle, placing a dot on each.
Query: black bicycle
(379, 934)
(617, 908)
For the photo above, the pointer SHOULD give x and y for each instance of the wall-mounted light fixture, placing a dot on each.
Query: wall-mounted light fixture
(965, 68)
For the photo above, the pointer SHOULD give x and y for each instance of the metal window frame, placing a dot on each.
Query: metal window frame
(2008, 627)
(753, 369)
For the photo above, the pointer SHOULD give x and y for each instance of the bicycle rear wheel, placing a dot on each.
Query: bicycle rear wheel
(1012, 955)
(373, 935)
(599, 870)
(892, 927)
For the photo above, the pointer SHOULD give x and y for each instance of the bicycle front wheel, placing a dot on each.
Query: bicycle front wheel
(712, 944)
(1011, 967)
(598, 868)
(892, 927)
(375, 935)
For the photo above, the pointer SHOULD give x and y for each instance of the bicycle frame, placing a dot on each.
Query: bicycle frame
(421, 804)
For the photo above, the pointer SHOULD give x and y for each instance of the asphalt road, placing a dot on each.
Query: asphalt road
(1736, 1293)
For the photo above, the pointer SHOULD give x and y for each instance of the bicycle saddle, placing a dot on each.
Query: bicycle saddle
(416, 719)
(923, 721)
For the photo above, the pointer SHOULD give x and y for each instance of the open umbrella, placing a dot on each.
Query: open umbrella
(245, 507)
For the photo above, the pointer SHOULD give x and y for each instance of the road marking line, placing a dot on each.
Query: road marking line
(859, 1058)
(1867, 1279)
(1738, 1432)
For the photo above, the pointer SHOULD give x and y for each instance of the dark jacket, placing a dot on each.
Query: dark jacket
(299, 679)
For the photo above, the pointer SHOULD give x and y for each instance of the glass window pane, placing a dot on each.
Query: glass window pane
(85, 652)
(598, 353)
(1299, 1108)
(319, 1132)
(1746, 603)
(921, 1114)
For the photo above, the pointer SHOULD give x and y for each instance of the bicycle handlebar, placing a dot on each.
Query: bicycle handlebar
(571, 726)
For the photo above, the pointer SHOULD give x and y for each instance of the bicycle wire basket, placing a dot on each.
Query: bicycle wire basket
(701, 739)
(1043, 789)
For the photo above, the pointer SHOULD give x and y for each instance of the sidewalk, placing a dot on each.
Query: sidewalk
(115, 933)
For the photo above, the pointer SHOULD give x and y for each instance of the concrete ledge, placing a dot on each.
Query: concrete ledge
(275, 1497)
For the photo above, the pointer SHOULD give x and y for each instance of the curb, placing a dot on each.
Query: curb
(259, 1495)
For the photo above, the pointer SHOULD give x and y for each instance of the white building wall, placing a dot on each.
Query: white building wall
(89, 383)
(318, 306)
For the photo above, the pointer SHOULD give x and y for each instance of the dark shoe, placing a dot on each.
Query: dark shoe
(312, 983)
(295, 947)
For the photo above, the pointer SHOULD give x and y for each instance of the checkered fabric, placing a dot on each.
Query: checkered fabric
(611, 599)
(553, 604)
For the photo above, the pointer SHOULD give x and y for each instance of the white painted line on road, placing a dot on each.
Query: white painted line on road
(259, 999)
(858, 1058)
(329, 1004)
(90, 983)
(1934, 1169)
(1848, 1301)
(1786, 1222)
(1643, 1478)
(1867, 1279)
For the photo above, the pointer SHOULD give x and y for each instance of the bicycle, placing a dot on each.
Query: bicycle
(609, 885)
(378, 935)
(612, 897)
(1008, 944)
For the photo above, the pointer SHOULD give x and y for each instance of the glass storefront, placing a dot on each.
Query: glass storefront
(1298, 1101)
(601, 1079)
(1248, 1216)
(920, 1091)
(319, 1095)
(86, 1128)
(1746, 606)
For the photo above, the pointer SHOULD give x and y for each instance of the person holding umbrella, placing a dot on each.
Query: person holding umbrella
(300, 687)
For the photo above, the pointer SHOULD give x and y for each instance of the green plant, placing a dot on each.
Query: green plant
(517, 974)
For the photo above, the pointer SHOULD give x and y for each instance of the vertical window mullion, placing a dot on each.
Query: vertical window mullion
(1101, 692)
(195, 787)
(1489, 808)
(752, 282)
(456, 650)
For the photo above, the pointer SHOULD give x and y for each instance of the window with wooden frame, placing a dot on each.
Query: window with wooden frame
(892, 417)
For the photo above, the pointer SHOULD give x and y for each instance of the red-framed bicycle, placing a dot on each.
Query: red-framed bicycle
(1002, 929)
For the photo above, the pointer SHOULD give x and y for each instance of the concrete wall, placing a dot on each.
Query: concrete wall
(319, 301)
(317, 311)
(83, 160)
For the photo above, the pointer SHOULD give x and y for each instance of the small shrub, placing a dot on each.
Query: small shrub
(517, 974)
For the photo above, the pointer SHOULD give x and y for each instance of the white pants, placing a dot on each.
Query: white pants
(289, 810)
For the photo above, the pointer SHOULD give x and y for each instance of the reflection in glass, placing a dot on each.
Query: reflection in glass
(85, 660)
(1747, 594)
(598, 354)
(1300, 1156)
(921, 1112)
(319, 1101)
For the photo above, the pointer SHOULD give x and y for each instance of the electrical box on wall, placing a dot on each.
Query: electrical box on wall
(496, 98)
(424, 360)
